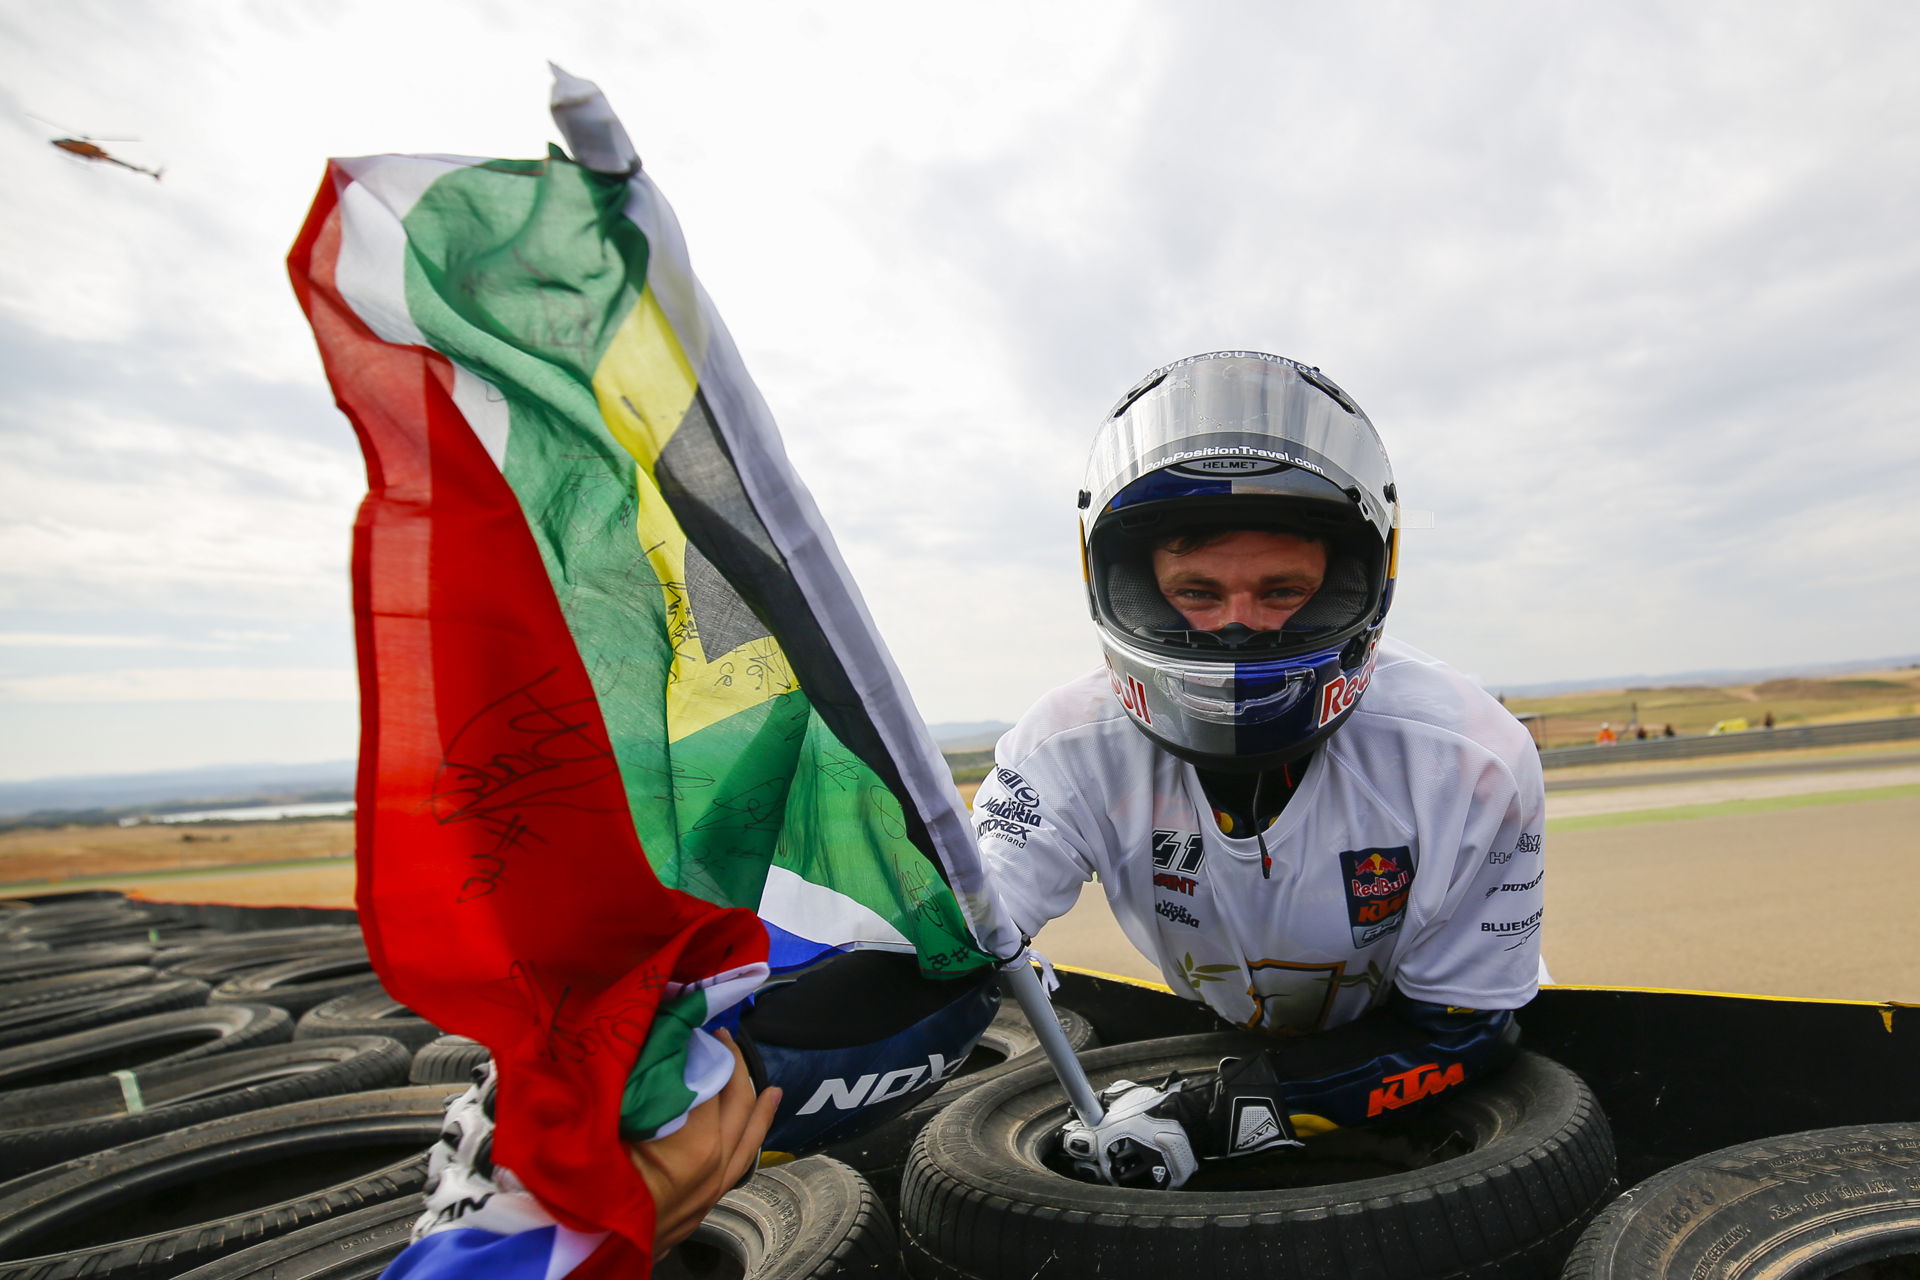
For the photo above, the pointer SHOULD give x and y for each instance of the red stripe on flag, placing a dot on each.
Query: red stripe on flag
(502, 890)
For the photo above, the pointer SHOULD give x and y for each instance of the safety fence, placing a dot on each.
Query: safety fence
(1652, 750)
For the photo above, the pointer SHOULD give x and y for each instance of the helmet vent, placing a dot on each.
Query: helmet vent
(1136, 393)
(1318, 380)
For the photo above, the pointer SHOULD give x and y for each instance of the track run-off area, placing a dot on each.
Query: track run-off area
(1788, 875)
(1784, 875)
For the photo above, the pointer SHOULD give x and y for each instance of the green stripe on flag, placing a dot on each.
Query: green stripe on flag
(530, 276)
(656, 1089)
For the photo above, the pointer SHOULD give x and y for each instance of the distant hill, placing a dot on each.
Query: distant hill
(226, 785)
(217, 784)
(972, 735)
(1572, 718)
(1714, 677)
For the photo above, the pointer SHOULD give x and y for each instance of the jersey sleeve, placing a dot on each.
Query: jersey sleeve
(1478, 945)
(1026, 818)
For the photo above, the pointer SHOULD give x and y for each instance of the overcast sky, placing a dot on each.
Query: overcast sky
(1631, 291)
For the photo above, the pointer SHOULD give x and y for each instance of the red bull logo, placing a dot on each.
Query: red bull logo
(1132, 695)
(1378, 876)
(1343, 691)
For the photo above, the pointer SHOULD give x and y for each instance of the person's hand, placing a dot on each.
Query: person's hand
(690, 1169)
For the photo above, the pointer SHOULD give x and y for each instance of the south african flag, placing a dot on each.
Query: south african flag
(629, 739)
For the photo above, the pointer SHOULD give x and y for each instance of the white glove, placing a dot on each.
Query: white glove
(1130, 1147)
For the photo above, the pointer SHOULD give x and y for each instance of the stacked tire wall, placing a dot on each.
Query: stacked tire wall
(158, 1107)
(218, 1092)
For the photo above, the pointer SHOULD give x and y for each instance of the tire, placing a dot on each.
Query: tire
(48, 962)
(39, 1127)
(1801, 1205)
(1496, 1181)
(369, 1011)
(448, 1060)
(66, 986)
(880, 1153)
(28, 1023)
(52, 915)
(154, 1208)
(219, 964)
(352, 1246)
(1011, 1036)
(181, 1036)
(70, 896)
(284, 943)
(814, 1219)
(298, 985)
(91, 924)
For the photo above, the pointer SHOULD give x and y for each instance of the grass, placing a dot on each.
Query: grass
(174, 873)
(1730, 808)
(35, 855)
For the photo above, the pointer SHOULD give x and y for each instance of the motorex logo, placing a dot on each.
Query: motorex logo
(868, 1090)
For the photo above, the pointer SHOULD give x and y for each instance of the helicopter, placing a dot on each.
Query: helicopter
(90, 149)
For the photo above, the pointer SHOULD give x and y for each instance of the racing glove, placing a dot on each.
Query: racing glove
(1155, 1136)
(1398, 1056)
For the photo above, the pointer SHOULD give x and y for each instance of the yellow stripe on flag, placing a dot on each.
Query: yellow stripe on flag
(645, 385)
(644, 382)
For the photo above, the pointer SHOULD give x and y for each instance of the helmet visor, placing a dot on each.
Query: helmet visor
(1243, 694)
(1130, 599)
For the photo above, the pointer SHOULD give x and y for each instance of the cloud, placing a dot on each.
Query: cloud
(223, 641)
(44, 640)
(182, 684)
(1630, 291)
(131, 478)
(1628, 330)
(238, 638)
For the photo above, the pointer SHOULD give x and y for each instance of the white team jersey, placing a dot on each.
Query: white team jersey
(1409, 855)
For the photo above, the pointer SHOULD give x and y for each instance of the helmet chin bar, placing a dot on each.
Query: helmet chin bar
(1265, 762)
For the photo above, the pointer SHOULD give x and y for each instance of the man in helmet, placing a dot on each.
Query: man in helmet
(1317, 832)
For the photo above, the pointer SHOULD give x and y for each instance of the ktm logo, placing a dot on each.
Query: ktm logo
(1410, 1086)
(1379, 909)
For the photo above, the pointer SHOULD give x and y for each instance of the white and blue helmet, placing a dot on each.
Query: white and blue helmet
(1237, 440)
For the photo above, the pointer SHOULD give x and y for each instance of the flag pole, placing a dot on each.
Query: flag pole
(600, 143)
(1022, 981)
